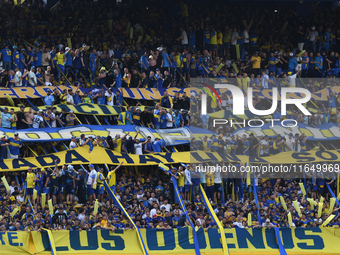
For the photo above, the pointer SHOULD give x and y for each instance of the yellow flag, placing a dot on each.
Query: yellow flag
(328, 220)
(141, 31)
(131, 32)
(95, 210)
(297, 207)
(302, 189)
(219, 67)
(3, 178)
(320, 209)
(50, 206)
(15, 2)
(43, 200)
(331, 205)
(128, 28)
(161, 165)
(248, 178)
(35, 194)
(312, 203)
(283, 203)
(234, 67)
(290, 220)
(238, 56)
(321, 199)
(14, 212)
(109, 24)
(338, 197)
(140, 37)
(69, 43)
(249, 220)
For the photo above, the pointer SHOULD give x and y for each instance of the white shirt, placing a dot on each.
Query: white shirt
(18, 78)
(81, 217)
(234, 36)
(37, 120)
(313, 35)
(290, 143)
(69, 99)
(185, 38)
(109, 98)
(291, 80)
(138, 149)
(264, 81)
(153, 212)
(246, 36)
(239, 224)
(54, 122)
(187, 177)
(12, 188)
(73, 145)
(217, 177)
(32, 79)
(167, 207)
(264, 150)
(169, 124)
(92, 175)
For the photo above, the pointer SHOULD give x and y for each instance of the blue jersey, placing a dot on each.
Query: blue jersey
(157, 117)
(93, 58)
(157, 145)
(119, 99)
(118, 80)
(16, 56)
(21, 58)
(246, 145)
(29, 55)
(163, 121)
(68, 59)
(136, 118)
(304, 65)
(128, 115)
(144, 60)
(166, 62)
(14, 146)
(6, 55)
(38, 58)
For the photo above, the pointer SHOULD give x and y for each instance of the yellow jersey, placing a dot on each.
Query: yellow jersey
(60, 59)
(219, 38)
(181, 180)
(245, 82)
(210, 179)
(30, 178)
(112, 178)
(119, 145)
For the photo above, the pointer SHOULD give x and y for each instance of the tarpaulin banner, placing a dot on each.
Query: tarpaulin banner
(177, 241)
(288, 157)
(14, 242)
(99, 155)
(325, 132)
(144, 94)
(31, 92)
(84, 108)
(172, 137)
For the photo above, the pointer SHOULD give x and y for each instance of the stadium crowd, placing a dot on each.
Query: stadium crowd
(173, 49)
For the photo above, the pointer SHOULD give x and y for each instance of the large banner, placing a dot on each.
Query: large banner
(149, 94)
(133, 93)
(99, 155)
(309, 241)
(170, 137)
(31, 92)
(288, 157)
(326, 132)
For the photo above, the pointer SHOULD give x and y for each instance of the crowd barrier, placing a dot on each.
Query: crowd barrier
(174, 241)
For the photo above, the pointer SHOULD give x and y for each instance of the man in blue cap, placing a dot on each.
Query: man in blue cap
(16, 57)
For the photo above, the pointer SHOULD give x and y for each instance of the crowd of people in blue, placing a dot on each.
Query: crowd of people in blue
(149, 46)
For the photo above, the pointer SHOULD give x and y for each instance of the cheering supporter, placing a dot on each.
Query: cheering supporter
(145, 192)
